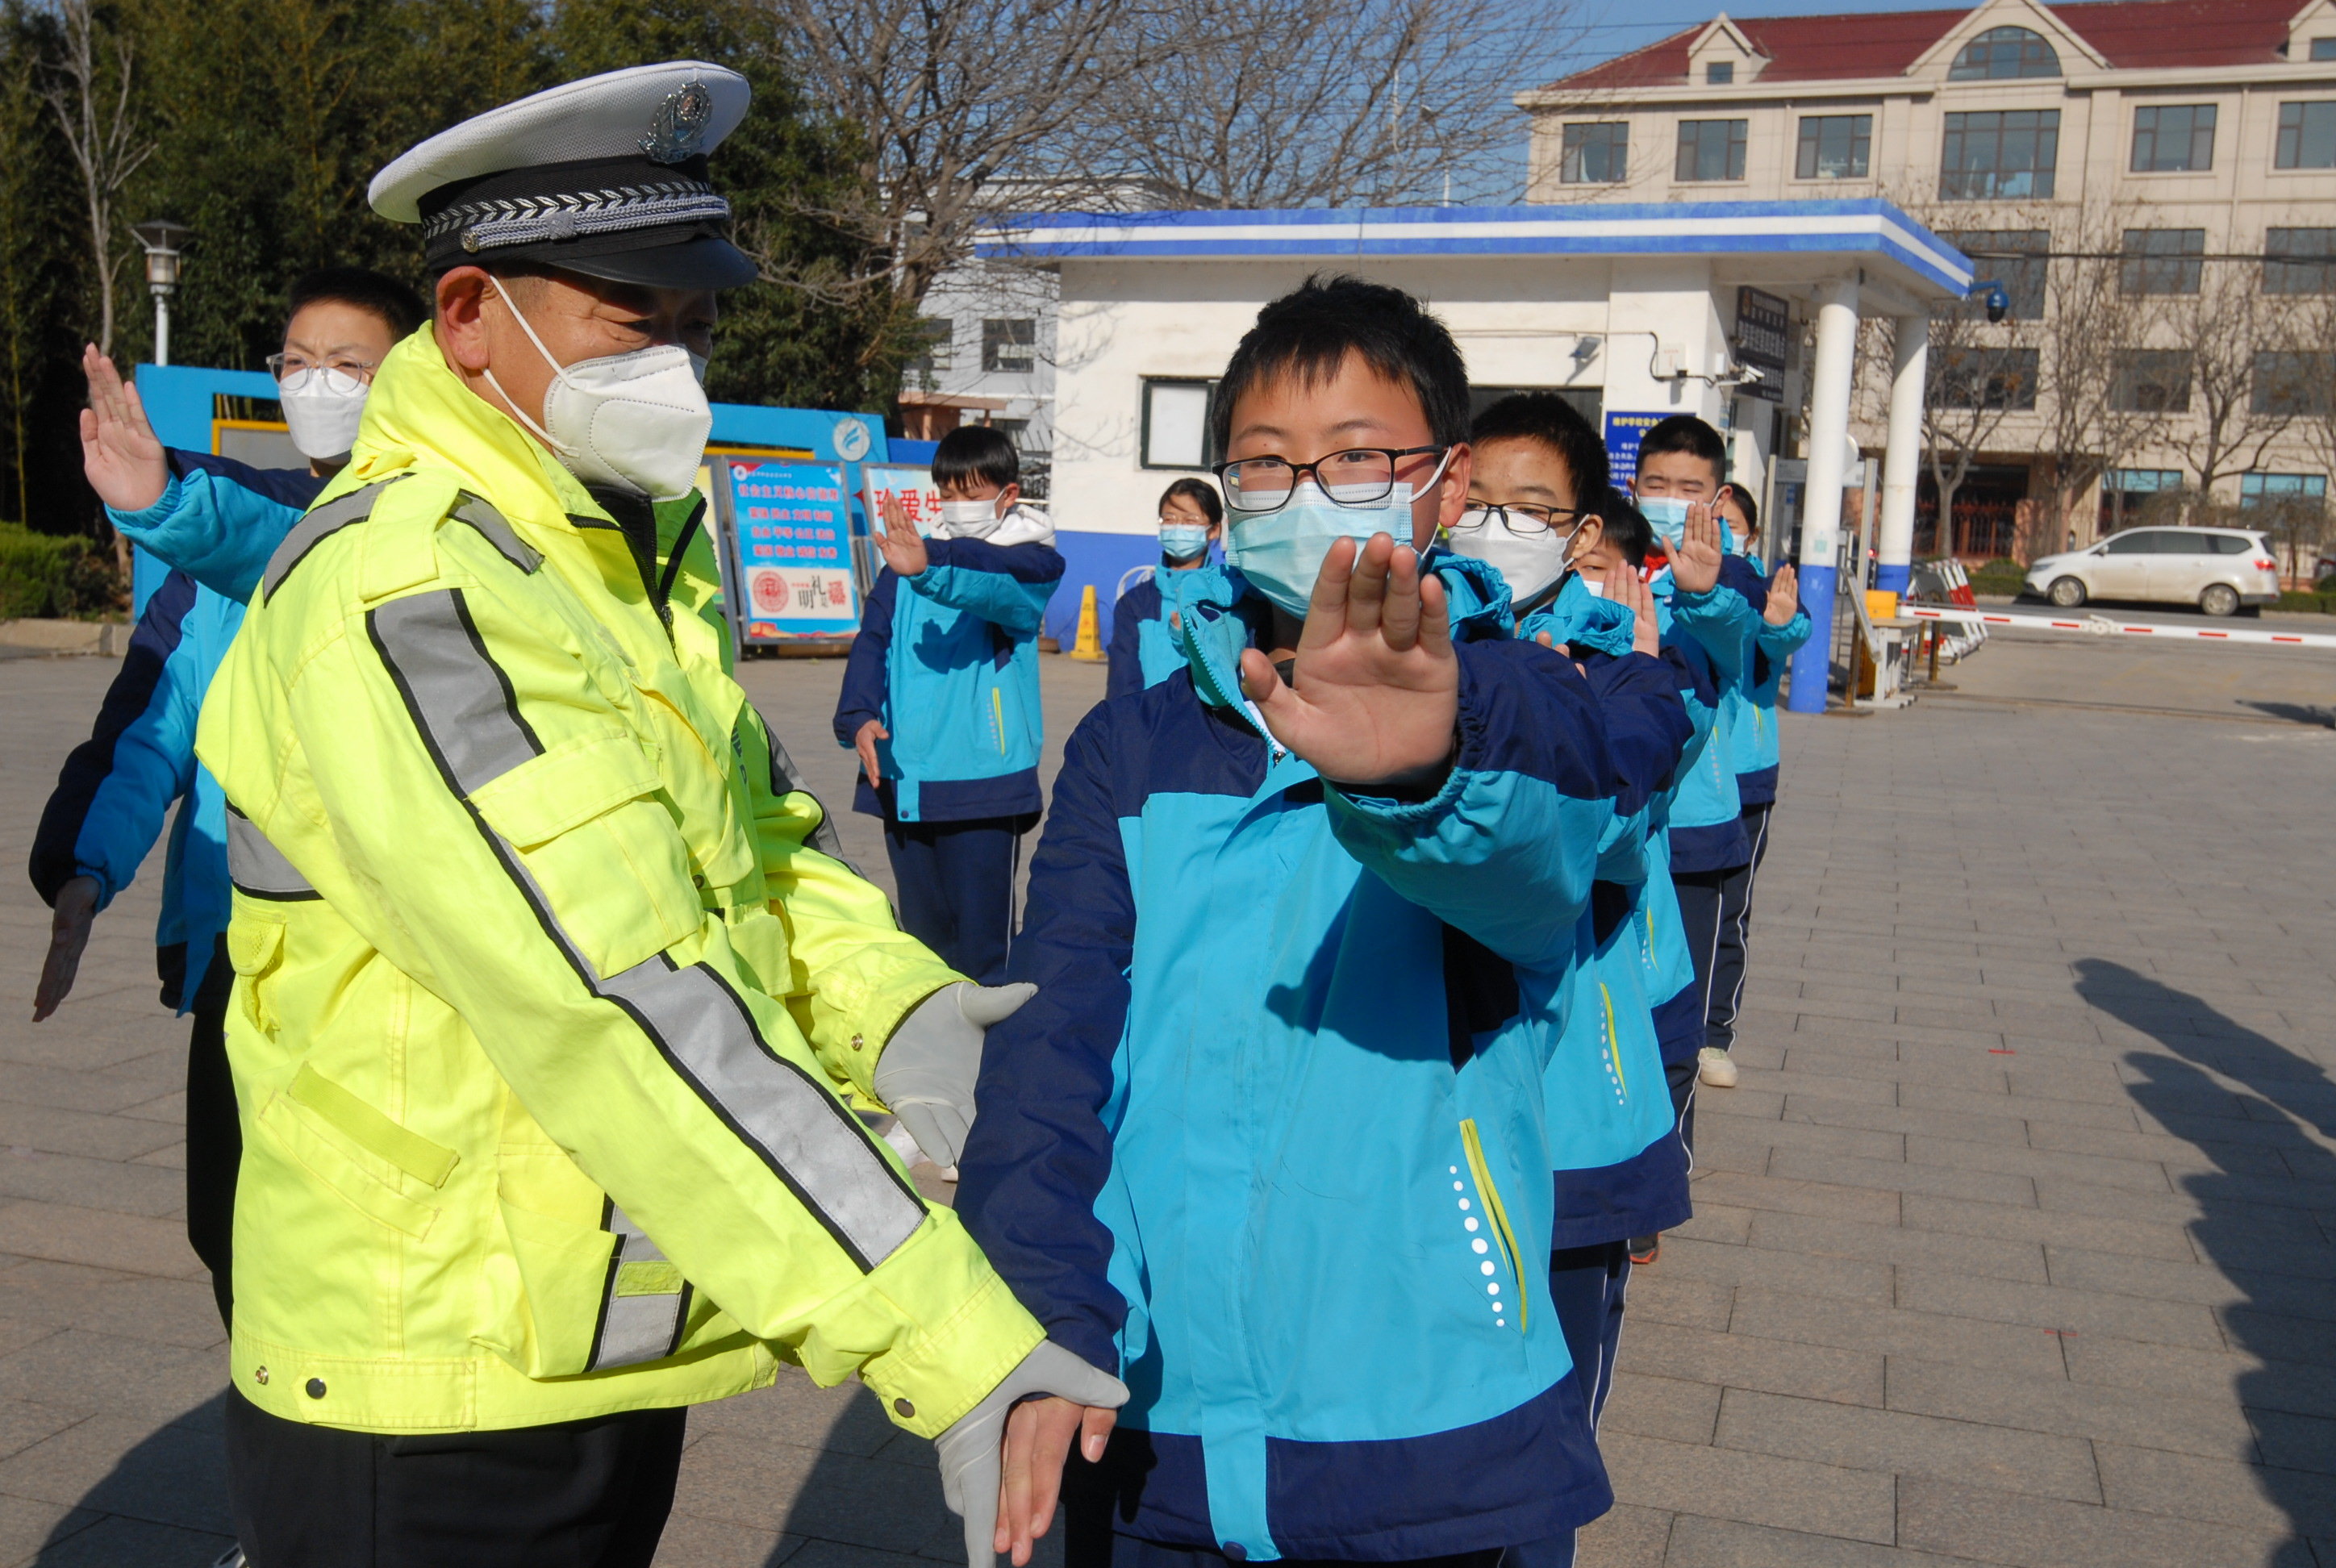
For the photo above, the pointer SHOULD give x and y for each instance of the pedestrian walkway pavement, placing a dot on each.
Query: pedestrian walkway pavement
(2014, 1246)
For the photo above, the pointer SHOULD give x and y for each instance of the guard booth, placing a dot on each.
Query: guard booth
(1632, 312)
(785, 488)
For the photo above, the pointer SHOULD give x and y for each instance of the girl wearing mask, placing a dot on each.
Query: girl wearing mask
(1143, 651)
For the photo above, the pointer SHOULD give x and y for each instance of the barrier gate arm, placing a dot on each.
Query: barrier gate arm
(2104, 626)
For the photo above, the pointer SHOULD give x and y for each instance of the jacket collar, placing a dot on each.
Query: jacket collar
(420, 414)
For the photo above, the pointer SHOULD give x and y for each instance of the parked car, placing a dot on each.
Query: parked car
(2216, 568)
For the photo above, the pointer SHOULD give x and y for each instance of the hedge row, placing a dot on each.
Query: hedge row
(44, 574)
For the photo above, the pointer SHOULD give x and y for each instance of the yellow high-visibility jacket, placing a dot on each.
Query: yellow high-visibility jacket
(542, 1006)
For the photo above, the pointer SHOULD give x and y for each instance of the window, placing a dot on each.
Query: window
(2148, 542)
(1833, 146)
(2290, 383)
(2272, 489)
(2143, 481)
(1016, 431)
(2172, 138)
(1987, 379)
(2022, 279)
(2149, 381)
(1176, 424)
(2313, 267)
(1596, 154)
(2307, 136)
(934, 335)
(2323, 48)
(2162, 261)
(2004, 52)
(1719, 73)
(2003, 155)
(1710, 149)
(1010, 345)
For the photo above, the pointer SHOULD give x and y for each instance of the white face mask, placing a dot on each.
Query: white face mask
(969, 518)
(638, 421)
(1529, 563)
(323, 408)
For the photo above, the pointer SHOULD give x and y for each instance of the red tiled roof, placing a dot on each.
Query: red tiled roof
(2132, 34)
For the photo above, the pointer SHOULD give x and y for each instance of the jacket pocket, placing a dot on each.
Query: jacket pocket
(355, 1151)
(1497, 1216)
(254, 947)
(577, 1296)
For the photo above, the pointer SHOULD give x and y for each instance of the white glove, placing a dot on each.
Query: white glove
(970, 1451)
(929, 1067)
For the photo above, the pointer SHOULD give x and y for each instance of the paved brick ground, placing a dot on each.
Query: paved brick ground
(2014, 1246)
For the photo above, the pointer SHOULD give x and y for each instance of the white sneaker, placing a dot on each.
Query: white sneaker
(1713, 1067)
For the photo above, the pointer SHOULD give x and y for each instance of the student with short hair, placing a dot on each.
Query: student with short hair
(1784, 627)
(1681, 472)
(940, 699)
(1272, 1136)
(1142, 653)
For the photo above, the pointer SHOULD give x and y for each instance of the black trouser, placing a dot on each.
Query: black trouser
(1735, 926)
(956, 883)
(579, 1494)
(214, 1136)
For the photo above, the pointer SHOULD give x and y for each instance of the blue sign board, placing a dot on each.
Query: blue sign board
(790, 525)
(1623, 433)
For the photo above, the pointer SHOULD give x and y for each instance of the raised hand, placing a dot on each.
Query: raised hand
(119, 450)
(900, 543)
(1623, 587)
(1377, 693)
(1784, 596)
(1695, 564)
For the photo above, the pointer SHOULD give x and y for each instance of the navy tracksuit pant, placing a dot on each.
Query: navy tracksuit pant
(1733, 926)
(1587, 1285)
(956, 883)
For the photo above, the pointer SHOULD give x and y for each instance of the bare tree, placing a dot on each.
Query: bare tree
(90, 97)
(2314, 330)
(2093, 410)
(1278, 103)
(2247, 382)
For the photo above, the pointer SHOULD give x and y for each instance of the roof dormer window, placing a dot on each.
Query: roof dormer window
(1719, 73)
(2003, 53)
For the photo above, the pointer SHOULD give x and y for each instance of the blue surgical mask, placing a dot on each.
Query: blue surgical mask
(1183, 541)
(1281, 552)
(1667, 515)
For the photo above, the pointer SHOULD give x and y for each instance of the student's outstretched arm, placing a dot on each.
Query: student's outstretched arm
(1006, 585)
(1783, 624)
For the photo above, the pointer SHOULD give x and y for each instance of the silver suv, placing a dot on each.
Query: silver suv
(2216, 568)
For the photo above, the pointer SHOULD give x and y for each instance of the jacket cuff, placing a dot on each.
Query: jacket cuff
(964, 1331)
(148, 518)
(105, 888)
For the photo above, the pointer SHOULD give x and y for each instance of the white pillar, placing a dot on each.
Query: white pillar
(1902, 458)
(1836, 358)
(162, 327)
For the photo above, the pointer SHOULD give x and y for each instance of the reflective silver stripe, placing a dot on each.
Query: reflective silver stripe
(801, 1132)
(258, 866)
(312, 531)
(459, 694)
(636, 1328)
(497, 531)
(463, 706)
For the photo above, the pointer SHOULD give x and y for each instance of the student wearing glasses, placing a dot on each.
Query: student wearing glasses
(1142, 650)
(215, 521)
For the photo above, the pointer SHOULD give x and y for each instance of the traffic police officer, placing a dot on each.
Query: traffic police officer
(543, 1001)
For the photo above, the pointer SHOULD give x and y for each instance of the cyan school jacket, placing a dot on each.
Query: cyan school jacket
(118, 785)
(1707, 826)
(1622, 1170)
(947, 661)
(1144, 650)
(1753, 741)
(1270, 1140)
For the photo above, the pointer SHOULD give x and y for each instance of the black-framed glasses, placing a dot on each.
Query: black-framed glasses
(1525, 518)
(1357, 476)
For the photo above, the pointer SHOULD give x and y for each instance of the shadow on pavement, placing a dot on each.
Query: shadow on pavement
(2258, 1221)
(163, 1505)
(2294, 712)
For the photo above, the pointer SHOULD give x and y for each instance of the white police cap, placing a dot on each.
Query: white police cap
(605, 176)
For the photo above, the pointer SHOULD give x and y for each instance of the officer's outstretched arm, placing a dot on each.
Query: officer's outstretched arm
(496, 831)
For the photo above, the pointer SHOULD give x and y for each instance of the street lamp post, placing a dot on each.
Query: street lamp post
(162, 238)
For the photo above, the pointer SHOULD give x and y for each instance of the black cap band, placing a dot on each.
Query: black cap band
(578, 214)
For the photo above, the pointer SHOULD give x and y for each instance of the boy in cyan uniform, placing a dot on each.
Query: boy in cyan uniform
(1752, 741)
(1272, 1136)
(1620, 1169)
(1682, 465)
(940, 699)
(1142, 651)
